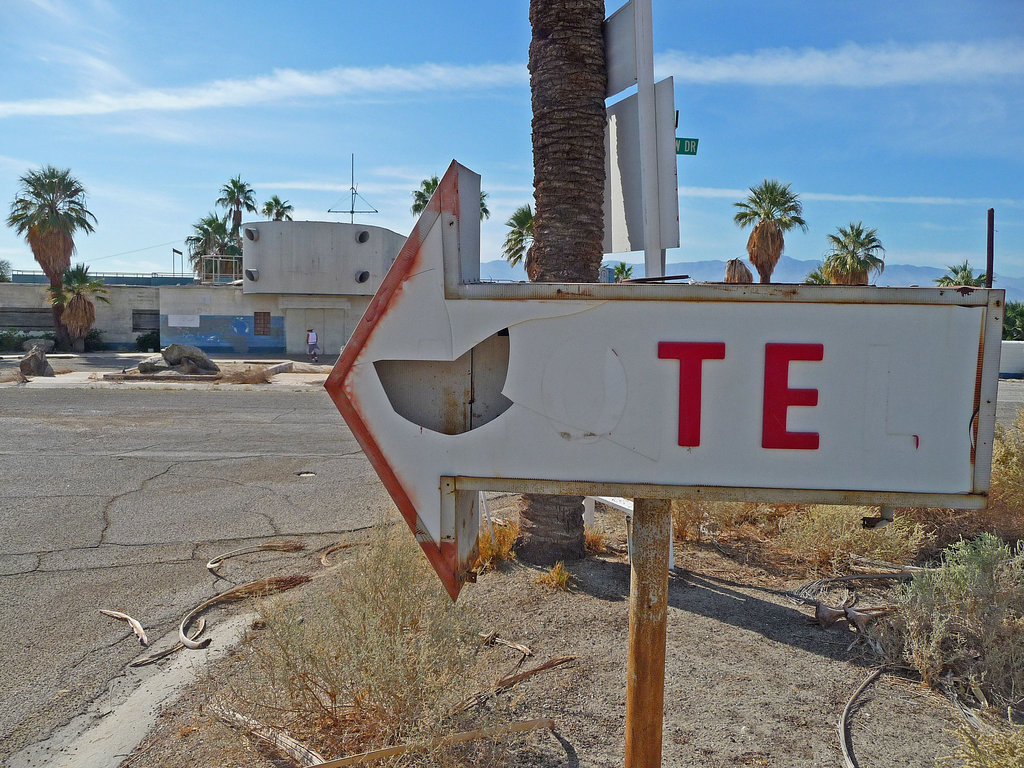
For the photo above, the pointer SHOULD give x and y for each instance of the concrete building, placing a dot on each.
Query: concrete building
(297, 275)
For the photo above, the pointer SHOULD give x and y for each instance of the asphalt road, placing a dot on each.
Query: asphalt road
(116, 498)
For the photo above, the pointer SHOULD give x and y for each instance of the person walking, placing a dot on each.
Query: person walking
(312, 348)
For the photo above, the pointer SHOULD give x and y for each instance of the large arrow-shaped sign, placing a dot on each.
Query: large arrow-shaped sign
(743, 392)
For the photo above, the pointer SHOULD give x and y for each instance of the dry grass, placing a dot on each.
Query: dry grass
(379, 659)
(16, 375)
(258, 375)
(493, 552)
(557, 578)
(596, 541)
(1002, 749)
(823, 537)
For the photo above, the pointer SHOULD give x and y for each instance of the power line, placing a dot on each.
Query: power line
(140, 250)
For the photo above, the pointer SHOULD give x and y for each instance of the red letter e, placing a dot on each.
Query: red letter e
(778, 397)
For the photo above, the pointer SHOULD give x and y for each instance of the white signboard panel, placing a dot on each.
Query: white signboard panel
(773, 393)
(623, 191)
(620, 49)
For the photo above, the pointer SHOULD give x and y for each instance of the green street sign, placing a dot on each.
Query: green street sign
(686, 146)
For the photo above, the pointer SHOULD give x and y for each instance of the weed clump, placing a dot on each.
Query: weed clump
(496, 550)
(257, 375)
(557, 578)
(963, 622)
(1001, 749)
(379, 660)
(595, 541)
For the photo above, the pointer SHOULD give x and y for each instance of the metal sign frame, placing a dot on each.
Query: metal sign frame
(432, 307)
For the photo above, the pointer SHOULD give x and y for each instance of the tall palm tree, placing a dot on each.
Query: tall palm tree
(421, 196)
(210, 237)
(567, 89)
(237, 196)
(48, 210)
(519, 239)
(74, 298)
(961, 274)
(773, 209)
(622, 271)
(277, 209)
(855, 252)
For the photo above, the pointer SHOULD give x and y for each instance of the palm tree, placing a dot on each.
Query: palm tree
(237, 196)
(1013, 321)
(855, 253)
(74, 298)
(48, 210)
(277, 209)
(772, 208)
(961, 274)
(622, 271)
(519, 239)
(421, 196)
(5, 271)
(816, 277)
(210, 237)
(567, 89)
(736, 272)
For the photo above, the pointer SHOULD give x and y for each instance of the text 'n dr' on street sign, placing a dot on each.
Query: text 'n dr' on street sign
(686, 146)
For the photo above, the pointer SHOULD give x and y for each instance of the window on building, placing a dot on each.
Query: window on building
(144, 320)
(261, 323)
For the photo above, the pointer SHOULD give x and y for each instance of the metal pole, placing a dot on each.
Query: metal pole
(648, 608)
(990, 251)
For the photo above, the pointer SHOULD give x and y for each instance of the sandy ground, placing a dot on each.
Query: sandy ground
(749, 680)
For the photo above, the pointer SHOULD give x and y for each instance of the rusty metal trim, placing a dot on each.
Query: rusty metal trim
(703, 292)
(722, 493)
(988, 387)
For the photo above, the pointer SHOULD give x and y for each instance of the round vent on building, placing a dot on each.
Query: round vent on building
(362, 276)
(362, 236)
(252, 234)
(252, 274)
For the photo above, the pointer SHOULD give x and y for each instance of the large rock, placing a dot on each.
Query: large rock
(197, 360)
(46, 345)
(153, 364)
(35, 364)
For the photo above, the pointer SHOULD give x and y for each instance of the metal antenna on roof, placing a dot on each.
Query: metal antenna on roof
(354, 194)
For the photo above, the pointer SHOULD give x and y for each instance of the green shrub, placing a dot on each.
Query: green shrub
(147, 341)
(10, 340)
(94, 341)
(964, 619)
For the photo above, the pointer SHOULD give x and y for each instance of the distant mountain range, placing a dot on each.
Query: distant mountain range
(787, 271)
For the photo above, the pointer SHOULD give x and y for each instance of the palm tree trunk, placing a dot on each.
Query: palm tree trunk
(567, 86)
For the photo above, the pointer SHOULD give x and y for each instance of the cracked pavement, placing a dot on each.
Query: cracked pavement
(116, 498)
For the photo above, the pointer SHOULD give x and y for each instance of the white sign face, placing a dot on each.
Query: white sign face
(773, 393)
(623, 185)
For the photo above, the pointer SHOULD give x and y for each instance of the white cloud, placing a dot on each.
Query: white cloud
(853, 65)
(831, 197)
(280, 85)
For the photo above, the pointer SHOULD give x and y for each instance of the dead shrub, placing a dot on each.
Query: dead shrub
(963, 622)
(595, 540)
(494, 551)
(823, 537)
(1001, 749)
(16, 375)
(557, 578)
(378, 660)
(258, 375)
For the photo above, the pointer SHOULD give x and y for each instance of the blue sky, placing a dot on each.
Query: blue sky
(905, 115)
